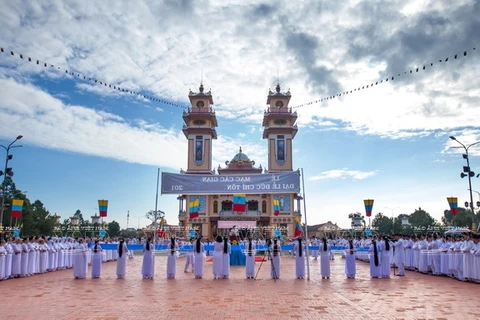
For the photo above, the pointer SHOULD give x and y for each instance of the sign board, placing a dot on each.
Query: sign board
(197, 184)
(237, 224)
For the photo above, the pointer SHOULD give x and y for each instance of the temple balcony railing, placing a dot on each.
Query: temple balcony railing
(200, 111)
(273, 110)
(294, 127)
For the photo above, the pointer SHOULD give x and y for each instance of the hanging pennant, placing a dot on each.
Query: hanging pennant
(453, 203)
(368, 207)
(102, 207)
(17, 208)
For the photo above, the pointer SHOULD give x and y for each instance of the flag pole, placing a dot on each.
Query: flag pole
(306, 228)
(156, 211)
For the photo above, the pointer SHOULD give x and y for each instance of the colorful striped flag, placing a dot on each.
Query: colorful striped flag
(102, 207)
(17, 207)
(452, 201)
(298, 226)
(276, 207)
(368, 207)
(193, 208)
(239, 202)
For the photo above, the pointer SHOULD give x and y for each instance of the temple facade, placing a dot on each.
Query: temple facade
(216, 215)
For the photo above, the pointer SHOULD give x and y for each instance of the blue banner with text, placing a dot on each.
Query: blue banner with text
(197, 184)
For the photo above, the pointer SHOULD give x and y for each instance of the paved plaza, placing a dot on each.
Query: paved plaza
(57, 295)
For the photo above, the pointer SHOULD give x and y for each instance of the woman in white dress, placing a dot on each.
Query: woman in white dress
(385, 248)
(3, 254)
(97, 260)
(122, 259)
(250, 260)
(148, 261)
(300, 259)
(325, 259)
(375, 262)
(80, 266)
(275, 265)
(198, 257)
(172, 258)
(226, 258)
(350, 263)
(217, 265)
(43, 256)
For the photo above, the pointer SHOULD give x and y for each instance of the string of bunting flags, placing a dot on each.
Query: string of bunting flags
(81, 76)
(386, 80)
(165, 102)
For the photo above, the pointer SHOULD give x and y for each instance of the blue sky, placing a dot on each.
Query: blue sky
(83, 142)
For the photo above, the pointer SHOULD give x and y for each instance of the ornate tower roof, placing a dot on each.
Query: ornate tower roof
(279, 118)
(278, 94)
(200, 118)
(193, 96)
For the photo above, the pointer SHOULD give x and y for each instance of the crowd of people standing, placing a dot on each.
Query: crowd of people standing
(456, 256)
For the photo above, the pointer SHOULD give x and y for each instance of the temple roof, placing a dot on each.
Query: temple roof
(240, 157)
(240, 164)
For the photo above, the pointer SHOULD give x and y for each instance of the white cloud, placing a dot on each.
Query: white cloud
(316, 50)
(231, 47)
(343, 174)
(467, 137)
(47, 122)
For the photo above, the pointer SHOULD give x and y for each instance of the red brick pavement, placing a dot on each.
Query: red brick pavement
(58, 296)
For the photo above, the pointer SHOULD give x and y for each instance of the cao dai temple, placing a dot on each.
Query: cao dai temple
(213, 213)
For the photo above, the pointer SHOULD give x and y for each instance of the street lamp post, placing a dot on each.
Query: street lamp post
(468, 173)
(478, 194)
(138, 221)
(478, 207)
(7, 172)
(393, 221)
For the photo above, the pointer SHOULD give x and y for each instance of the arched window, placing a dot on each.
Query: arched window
(215, 206)
(252, 205)
(264, 206)
(227, 205)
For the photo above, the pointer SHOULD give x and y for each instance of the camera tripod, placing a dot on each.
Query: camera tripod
(269, 254)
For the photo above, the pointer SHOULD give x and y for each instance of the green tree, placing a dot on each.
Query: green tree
(155, 217)
(128, 233)
(382, 224)
(463, 218)
(113, 228)
(36, 219)
(79, 215)
(421, 220)
(399, 227)
(10, 188)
